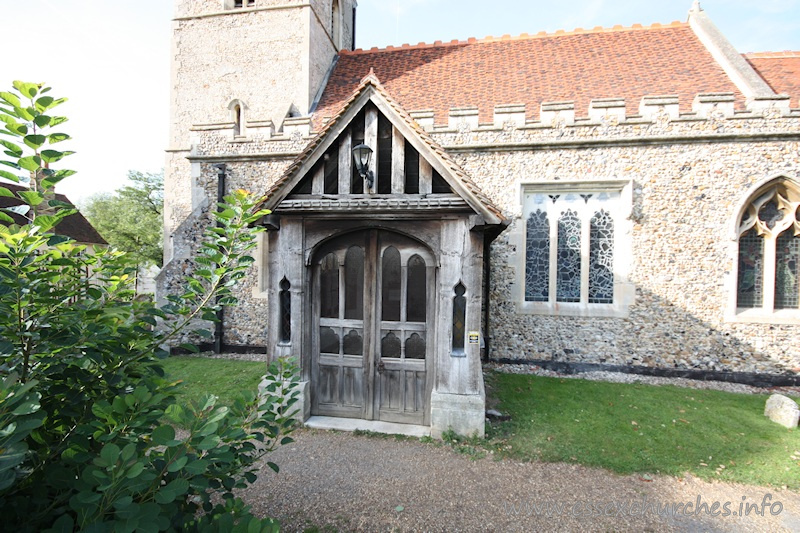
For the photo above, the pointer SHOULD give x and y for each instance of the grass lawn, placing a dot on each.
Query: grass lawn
(223, 377)
(643, 428)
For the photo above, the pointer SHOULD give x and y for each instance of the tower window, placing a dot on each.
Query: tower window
(237, 4)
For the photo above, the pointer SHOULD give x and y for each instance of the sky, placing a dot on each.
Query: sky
(111, 58)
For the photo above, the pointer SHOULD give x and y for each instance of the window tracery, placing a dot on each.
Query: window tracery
(768, 265)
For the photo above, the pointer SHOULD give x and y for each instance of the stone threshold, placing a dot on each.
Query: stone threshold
(376, 426)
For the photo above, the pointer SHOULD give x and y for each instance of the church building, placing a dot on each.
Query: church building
(625, 196)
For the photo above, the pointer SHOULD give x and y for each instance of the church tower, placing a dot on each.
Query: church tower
(252, 63)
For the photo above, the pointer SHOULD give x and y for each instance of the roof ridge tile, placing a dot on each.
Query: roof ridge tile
(522, 36)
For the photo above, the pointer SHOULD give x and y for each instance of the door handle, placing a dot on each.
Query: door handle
(381, 368)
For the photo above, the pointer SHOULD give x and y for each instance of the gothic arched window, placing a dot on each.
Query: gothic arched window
(768, 258)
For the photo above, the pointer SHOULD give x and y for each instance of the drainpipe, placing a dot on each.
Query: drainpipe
(219, 330)
(487, 269)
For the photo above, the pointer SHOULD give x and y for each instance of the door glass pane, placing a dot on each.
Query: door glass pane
(329, 287)
(415, 347)
(353, 343)
(354, 283)
(328, 341)
(390, 290)
(416, 291)
(390, 345)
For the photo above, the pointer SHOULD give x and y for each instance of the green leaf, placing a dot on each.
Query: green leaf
(178, 464)
(32, 198)
(34, 141)
(57, 137)
(44, 103)
(13, 149)
(32, 163)
(110, 453)
(163, 435)
(27, 89)
(5, 192)
(51, 156)
(5, 218)
(190, 347)
(10, 98)
(9, 176)
(42, 121)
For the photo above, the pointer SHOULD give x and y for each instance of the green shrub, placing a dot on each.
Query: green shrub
(83, 443)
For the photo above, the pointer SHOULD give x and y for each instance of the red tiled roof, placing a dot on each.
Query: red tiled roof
(74, 226)
(582, 65)
(781, 70)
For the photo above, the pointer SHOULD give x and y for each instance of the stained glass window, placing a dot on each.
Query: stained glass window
(568, 280)
(601, 258)
(751, 270)
(537, 258)
(787, 263)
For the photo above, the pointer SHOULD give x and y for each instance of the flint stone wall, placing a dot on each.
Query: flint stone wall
(688, 174)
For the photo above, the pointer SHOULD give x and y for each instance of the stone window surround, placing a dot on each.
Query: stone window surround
(754, 315)
(624, 290)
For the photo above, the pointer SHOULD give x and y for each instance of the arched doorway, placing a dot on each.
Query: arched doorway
(373, 308)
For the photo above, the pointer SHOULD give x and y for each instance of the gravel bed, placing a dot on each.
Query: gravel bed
(621, 377)
(332, 481)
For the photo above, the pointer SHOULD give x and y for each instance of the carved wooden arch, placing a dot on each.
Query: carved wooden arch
(327, 245)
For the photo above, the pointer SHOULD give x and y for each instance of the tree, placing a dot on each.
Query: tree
(86, 414)
(130, 218)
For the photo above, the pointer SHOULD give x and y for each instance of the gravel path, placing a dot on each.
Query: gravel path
(342, 482)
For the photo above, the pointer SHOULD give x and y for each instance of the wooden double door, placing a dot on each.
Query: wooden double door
(372, 337)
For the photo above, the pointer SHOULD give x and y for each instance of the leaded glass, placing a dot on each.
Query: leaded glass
(787, 261)
(390, 285)
(568, 279)
(416, 290)
(601, 259)
(354, 283)
(750, 284)
(459, 318)
(770, 215)
(415, 347)
(329, 287)
(537, 258)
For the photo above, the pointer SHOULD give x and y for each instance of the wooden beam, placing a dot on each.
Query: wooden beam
(425, 176)
(345, 160)
(318, 181)
(371, 140)
(398, 161)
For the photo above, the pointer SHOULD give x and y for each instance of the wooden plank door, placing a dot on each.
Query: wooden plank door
(372, 347)
(403, 344)
(339, 357)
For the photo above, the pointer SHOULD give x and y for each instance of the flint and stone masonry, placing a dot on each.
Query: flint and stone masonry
(245, 84)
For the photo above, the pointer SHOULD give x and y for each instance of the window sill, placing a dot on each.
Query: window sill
(757, 316)
(573, 309)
